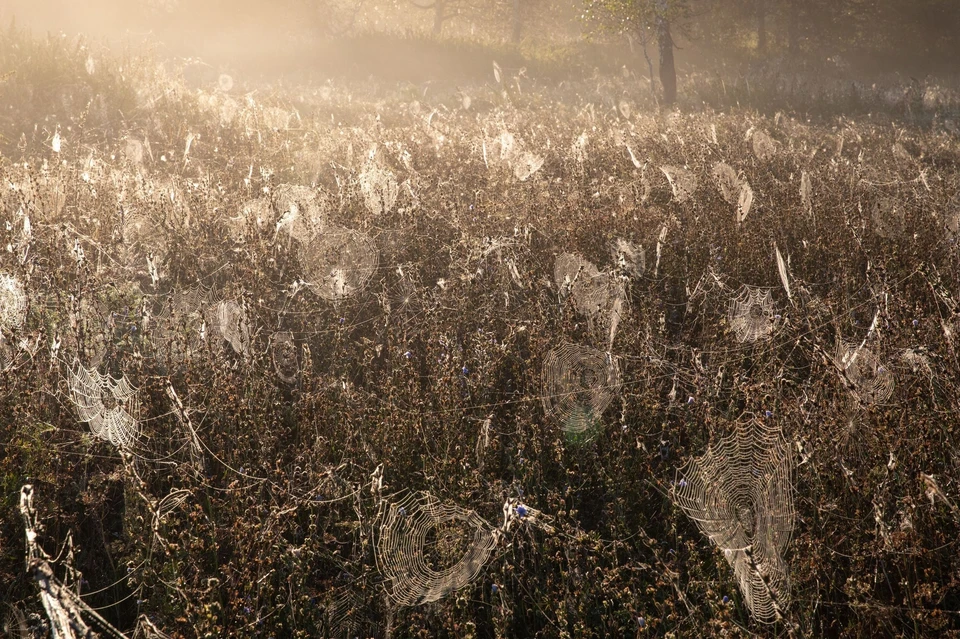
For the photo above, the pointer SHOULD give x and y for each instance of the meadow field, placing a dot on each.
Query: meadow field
(514, 353)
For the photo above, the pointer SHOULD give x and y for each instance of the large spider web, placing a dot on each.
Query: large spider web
(578, 385)
(871, 382)
(180, 325)
(426, 549)
(740, 495)
(339, 262)
(110, 406)
(751, 314)
(13, 303)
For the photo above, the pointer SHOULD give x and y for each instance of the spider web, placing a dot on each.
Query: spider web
(682, 181)
(302, 213)
(228, 321)
(426, 549)
(283, 352)
(339, 262)
(180, 325)
(727, 182)
(871, 382)
(751, 314)
(379, 188)
(763, 146)
(740, 495)
(109, 406)
(590, 289)
(578, 385)
(13, 303)
(526, 165)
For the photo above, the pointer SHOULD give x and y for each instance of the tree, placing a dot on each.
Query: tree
(644, 19)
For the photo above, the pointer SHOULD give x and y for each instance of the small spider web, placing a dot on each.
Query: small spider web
(590, 289)
(578, 384)
(888, 218)
(751, 314)
(228, 321)
(110, 407)
(427, 550)
(301, 211)
(283, 353)
(379, 188)
(339, 262)
(526, 165)
(13, 303)
(740, 495)
(683, 182)
(763, 146)
(871, 382)
(180, 327)
(727, 182)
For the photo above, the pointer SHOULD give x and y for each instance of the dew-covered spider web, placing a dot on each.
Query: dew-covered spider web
(763, 146)
(379, 188)
(283, 352)
(870, 381)
(180, 326)
(740, 495)
(578, 384)
(682, 181)
(751, 314)
(426, 549)
(590, 290)
(109, 406)
(727, 182)
(301, 211)
(339, 262)
(526, 165)
(13, 303)
(227, 321)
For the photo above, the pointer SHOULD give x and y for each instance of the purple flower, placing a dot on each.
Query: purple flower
(522, 510)
(641, 622)
(726, 599)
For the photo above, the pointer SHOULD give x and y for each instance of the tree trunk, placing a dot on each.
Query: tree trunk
(761, 26)
(438, 17)
(793, 26)
(517, 22)
(668, 71)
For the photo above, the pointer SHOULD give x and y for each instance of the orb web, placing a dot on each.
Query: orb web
(888, 218)
(740, 495)
(578, 384)
(14, 623)
(806, 193)
(227, 321)
(379, 188)
(179, 327)
(526, 165)
(751, 314)
(427, 550)
(13, 303)
(256, 211)
(283, 353)
(631, 258)
(590, 290)
(763, 146)
(110, 407)
(727, 182)
(870, 381)
(301, 211)
(744, 202)
(339, 262)
(682, 181)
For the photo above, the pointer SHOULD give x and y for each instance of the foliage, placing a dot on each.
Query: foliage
(252, 500)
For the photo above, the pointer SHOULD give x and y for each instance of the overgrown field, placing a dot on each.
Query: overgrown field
(508, 359)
